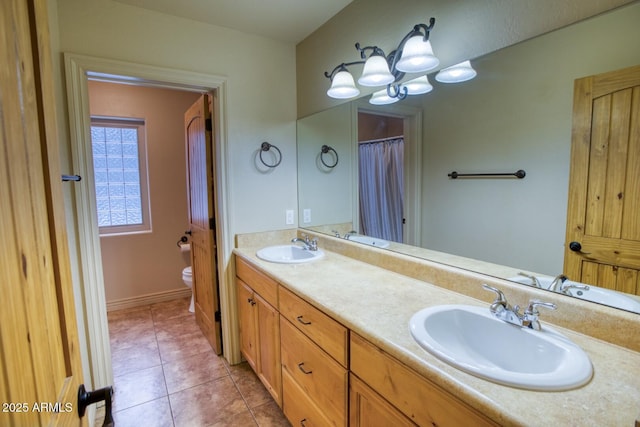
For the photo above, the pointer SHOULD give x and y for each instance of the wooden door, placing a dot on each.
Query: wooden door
(603, 218)
(198, 131)
(40, 368)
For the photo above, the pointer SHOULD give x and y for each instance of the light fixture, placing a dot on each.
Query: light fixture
(418, 86)
(417, 56)
(343, 86)
(414, 54)
(382, 98)
(376, 71)
(457, 73)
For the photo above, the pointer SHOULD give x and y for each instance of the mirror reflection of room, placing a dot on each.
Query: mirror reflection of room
(517, 113)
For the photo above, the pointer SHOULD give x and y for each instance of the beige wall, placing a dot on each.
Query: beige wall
(463, 30)
(260, 97)
(148, 263)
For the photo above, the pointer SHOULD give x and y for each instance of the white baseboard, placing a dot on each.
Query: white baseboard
(148, 299)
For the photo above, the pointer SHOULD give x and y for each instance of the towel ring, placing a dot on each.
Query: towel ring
(266, 147)
(324, 150)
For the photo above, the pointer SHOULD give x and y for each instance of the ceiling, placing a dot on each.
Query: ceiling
(284, 20)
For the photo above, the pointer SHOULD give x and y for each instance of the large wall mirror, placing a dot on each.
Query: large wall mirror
(516, 114)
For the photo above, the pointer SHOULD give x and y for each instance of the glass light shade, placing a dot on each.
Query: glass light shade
(418, 86)
(417, 56)
(376, 72)
(382, 98)
(457, 73)
(343, 86)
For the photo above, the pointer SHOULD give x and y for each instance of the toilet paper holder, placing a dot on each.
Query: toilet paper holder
(183, 239)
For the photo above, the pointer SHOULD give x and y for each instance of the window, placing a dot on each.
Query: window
(120, 170)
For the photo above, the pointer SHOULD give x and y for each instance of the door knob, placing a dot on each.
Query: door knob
(86, 398)
(577, 247)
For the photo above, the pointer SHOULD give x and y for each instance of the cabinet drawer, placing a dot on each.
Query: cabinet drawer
(297, 407)
(330, 335)
(321, 378)
(262, 284)
(424, 402)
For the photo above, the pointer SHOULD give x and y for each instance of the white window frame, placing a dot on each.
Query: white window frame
(145, 203)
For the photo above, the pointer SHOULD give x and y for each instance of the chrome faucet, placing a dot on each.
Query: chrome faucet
(556, 284)
(566, 286)
(501, 309)
(311, 245)
(534, 280)
(349, 234)
(560, 285)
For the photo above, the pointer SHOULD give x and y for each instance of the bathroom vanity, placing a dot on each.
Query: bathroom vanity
(335, 348)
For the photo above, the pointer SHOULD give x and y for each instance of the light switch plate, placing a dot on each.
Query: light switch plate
(289, 217)
(306, 216)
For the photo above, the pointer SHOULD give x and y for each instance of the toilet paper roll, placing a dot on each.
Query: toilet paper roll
(185, 247)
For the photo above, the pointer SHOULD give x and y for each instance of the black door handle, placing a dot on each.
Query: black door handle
(86, 398)
(577, 247)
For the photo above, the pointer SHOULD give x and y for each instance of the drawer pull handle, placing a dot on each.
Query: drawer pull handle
(251, 301)
(304, 371)
(301, 320)
(303, 421)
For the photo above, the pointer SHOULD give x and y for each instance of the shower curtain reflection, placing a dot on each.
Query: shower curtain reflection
(381, 188)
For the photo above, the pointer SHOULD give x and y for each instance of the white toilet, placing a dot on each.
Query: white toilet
(187, 279)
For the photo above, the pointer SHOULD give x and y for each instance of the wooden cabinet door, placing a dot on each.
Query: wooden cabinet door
(260, 338)
(368, 409)
(247, 321)
(269, 369)
(40, 368)
(603, 214)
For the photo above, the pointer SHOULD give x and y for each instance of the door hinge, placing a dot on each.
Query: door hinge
(208, 125)
(217, 316)
(212, 223)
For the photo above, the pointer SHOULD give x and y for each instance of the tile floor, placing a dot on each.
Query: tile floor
(166, 374)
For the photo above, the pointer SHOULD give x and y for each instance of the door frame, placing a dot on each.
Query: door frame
(78, 70)
(412, 124)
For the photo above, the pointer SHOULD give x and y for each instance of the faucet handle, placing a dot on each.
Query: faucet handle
(500, 298)
(313, 244)
(499, 304)
(530, 316)
(566, 286)
(532, 308)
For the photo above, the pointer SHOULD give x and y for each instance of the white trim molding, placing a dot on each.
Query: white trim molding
(79, 69)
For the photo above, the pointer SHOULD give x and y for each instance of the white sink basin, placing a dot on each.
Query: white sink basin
(288, 254)
(471, 339)
(371, 241)
(593, 294)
